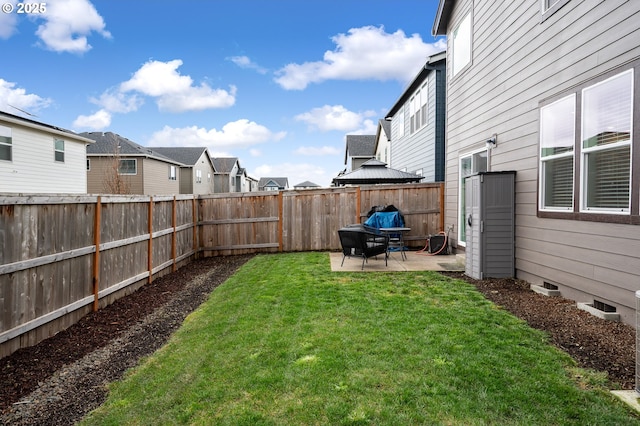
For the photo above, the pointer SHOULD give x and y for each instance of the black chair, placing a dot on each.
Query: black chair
(360, 242)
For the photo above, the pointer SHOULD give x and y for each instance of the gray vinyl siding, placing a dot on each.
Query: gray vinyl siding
(518, 63)
(422, 152)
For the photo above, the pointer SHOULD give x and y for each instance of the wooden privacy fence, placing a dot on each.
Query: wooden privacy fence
(63, 256)
(308, 220)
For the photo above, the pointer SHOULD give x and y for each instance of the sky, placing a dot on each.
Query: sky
(277, 83)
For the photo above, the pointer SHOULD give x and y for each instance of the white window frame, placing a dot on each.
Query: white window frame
(58, 150)
(461, 45)
(549, 7)
(173, 172)
(418, 105)
(198, 176)
(6, 140)
(586, 151)
(547, 132)
(461, 194)
(135, 166)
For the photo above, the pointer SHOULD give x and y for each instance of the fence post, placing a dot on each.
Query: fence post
(280, 219)
(96, 255)
(358, 204)
(150, 246)
(194, 216)
(174, 237)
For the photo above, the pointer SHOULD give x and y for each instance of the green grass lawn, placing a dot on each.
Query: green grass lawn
(285, 341)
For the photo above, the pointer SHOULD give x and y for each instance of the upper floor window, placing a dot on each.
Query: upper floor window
(198, 176)
(602, 153)
(418, 107)
(128, 167)
(6, 146)
(88, 164)
(58, 148)
(461, 44)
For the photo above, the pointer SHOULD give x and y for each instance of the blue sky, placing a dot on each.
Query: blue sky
(277, 83)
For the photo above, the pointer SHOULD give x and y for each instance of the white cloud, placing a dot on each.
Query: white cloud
(255, 152)
(317, 151)
(237, 134)
(366, 53)
(8, 22)
(98, 121)
(295, 173)
(67, 25)
(245, 62)
(176, 92)
(114, 101)
(369, 127)
(334, 117)
(12, 96)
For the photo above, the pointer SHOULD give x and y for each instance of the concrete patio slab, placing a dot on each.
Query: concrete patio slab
(415, 261)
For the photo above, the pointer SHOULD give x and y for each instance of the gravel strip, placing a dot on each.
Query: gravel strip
(73, 391)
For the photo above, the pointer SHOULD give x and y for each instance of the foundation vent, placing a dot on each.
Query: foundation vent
(601, 306)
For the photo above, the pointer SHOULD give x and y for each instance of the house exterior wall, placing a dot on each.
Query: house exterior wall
(205, 186)
(421, 152)
(156, 178)
(100, 168)
(33, 168)
(383, 147)
(226, 182)
(187, 180)
(520, 61)
(357, 162)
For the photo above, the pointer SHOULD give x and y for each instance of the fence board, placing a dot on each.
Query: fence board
(62, 256)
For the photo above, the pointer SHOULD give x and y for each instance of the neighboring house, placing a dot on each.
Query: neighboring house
(252, 183)
(245, 182)
(382, 148)
(306, 185)
(359, 148)
(40, 158)
(117, 165)
(548, 89)
(196, 176)
(273, 184)
(229, 176)
(418, 123)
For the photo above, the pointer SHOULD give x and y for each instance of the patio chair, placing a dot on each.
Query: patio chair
(360, 242)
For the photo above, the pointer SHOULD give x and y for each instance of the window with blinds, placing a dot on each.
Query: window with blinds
(557, 140)
(607, 113)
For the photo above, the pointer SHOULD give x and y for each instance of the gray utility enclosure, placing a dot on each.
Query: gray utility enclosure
(490, 216)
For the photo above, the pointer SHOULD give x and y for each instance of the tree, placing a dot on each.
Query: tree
(114, 182)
